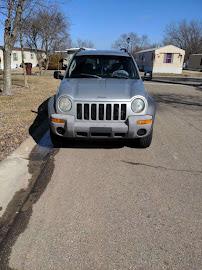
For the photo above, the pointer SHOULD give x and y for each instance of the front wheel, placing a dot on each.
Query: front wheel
(145, 142)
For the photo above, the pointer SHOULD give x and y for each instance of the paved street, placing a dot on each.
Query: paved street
(112, 206)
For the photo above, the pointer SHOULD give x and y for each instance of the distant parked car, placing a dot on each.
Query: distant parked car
(101, 95)
(148, 75)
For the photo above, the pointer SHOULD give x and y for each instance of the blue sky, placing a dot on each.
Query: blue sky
(103, 21)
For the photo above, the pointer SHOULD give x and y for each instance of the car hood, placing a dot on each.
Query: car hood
(90, 88)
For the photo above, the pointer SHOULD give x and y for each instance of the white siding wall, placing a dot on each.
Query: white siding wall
(175, 66)
(29, 57)
(159, 65)
(16, 58)
(167, 69)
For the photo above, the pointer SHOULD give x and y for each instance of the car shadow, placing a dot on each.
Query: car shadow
(98, 143)
(40, 124)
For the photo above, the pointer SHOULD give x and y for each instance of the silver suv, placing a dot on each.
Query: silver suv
(101, 95)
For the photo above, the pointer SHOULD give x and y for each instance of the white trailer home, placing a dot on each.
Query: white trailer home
(16, 57)
(167, 59)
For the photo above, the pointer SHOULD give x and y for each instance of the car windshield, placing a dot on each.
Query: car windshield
(102, 66)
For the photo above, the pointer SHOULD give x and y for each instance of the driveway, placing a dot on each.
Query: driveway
(112, 206)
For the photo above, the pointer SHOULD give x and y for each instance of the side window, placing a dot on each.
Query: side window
(168, 58)
(31, 55)
(201, 62)
(15, 57)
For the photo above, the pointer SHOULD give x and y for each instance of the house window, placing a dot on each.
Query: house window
(168, 57)
(201, 62)
(31, 55)
(15, 57)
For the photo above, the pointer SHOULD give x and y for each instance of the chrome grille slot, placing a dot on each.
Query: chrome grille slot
(108, 111)
(93, 111)
(101, 111)
(79, 111)
(123, 111)
(86, 111)
(116, 112)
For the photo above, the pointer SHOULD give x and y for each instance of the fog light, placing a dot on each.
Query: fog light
(144, 122)
(61, 130)
(57, 120)
(141, 132)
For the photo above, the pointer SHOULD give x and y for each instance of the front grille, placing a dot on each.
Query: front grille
(101, 111)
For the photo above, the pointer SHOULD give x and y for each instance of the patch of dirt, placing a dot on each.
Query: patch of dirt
(17, 111)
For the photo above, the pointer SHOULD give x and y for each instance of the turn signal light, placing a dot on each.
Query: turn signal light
(144, 122)
(57, 120)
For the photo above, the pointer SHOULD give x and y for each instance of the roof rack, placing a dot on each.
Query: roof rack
(81, 49)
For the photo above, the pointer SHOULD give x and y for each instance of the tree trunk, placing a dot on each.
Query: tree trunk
(23, 62)
(7, 72)
(40, 67)
(39, 60)
(47, 63)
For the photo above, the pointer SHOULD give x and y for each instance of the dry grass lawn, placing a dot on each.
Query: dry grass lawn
(16, 114)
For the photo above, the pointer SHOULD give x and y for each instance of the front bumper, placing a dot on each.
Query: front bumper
(72, 128)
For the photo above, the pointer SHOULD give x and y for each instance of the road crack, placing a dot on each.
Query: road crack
(161, 167)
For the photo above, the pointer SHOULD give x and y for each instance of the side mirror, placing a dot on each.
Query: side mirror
(58, 75)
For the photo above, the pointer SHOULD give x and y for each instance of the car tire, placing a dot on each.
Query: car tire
(56, 140)
(145, 142)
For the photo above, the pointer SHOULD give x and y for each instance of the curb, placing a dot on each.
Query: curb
(16, 179)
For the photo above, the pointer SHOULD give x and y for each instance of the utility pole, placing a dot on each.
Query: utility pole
(128, 42)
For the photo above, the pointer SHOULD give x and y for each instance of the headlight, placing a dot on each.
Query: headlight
(138, 105)
(64, 104)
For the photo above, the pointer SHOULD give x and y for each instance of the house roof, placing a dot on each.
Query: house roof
(147, 50)
(160, 48)
(25, 49)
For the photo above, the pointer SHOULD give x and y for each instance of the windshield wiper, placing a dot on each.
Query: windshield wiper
(90, 75)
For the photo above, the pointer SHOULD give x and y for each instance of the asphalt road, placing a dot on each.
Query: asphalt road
(112, 206)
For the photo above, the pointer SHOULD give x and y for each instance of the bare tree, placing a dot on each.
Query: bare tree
(83, 43)
(132, 42)
(12, 11)
(186, 35)
(46, 32)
